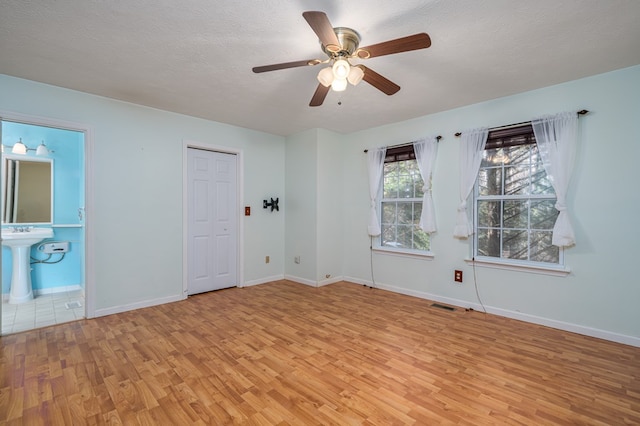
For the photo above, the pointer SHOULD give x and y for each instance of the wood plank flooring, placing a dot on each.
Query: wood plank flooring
(288, 354)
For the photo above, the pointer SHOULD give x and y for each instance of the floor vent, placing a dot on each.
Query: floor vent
(73, 305)
(446, 308)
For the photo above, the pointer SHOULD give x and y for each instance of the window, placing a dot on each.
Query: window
(401, 202)
(515, 211)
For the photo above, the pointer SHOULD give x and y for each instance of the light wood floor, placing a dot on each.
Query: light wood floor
(284, 353)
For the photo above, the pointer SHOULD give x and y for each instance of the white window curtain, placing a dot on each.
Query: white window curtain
(471, 147)
(557, 138)
(375, 159)
(426, 151)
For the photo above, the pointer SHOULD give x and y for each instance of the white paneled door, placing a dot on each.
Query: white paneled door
(212, 221)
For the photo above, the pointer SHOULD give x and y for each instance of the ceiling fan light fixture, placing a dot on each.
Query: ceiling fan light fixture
(325, 76)
(339, 84)
(341, 68)
(355, 75)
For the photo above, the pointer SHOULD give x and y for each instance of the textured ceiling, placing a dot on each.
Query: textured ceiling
(195, 57)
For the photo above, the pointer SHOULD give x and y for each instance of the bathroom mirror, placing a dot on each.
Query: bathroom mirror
(27, 189)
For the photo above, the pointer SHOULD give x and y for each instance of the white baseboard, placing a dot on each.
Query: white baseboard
(137, 305)
(331, 280)
(301, 280)
(547, 322)
(567, 326)
(312, 283)
(262, 281)
(52, 290)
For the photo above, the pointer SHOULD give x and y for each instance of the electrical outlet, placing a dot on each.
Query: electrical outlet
(457, 276)
(266, 259)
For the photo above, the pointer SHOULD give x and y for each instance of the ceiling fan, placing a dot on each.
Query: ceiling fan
(340, 44)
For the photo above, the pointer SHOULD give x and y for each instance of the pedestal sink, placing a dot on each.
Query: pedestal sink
(20, 239)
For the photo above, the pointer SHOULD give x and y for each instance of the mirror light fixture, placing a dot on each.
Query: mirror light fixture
(20, 148)
(42, 149)
(339, 74)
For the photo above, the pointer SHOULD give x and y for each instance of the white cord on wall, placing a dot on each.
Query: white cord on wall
(373, 280)
(473, 257)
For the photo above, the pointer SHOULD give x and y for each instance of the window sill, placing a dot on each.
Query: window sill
(403, 253)
(557, 271)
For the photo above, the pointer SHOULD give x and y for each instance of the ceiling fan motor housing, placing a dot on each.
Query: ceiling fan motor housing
(349, 41)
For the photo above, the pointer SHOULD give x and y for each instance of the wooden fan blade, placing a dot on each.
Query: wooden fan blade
(285, 65)
(379, 82)
(319, 95)
(404, 44)
(320, 24)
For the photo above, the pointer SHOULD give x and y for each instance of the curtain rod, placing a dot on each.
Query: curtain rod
(404, 144)
(581, 112)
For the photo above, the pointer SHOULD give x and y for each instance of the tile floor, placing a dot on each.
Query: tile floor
(43, 310)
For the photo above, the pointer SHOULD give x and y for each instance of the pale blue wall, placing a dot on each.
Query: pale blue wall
(301, 207)
(138, 199)
(313, 228)
(601, 293)
(329, 225)
(68, 177)
(137, 175)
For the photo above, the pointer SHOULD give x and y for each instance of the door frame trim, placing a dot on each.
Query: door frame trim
(186, 144)
(89, 259)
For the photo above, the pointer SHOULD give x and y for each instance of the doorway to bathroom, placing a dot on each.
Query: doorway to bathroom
(55, 288)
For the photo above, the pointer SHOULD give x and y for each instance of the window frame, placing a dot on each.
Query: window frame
(516, 135)
(399, 154)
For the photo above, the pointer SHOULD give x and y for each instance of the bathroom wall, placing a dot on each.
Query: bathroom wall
(67, 152)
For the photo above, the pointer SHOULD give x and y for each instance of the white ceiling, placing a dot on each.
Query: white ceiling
(195, 56)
